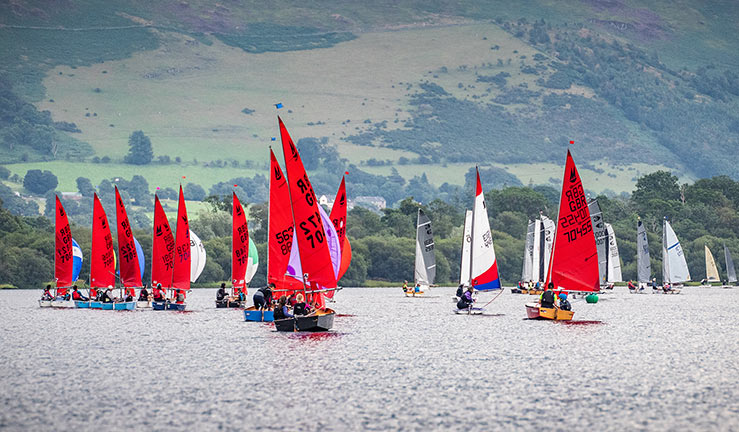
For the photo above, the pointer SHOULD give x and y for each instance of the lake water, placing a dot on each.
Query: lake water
(638, 362)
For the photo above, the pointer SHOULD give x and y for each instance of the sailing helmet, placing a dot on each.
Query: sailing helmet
(562, 296)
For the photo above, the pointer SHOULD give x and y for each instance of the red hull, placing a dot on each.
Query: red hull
(532, 311)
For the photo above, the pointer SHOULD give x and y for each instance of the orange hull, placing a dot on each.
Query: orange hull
(533, 311)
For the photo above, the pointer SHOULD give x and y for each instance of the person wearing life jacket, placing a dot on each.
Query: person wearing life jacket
(263, 297)
(460, 291)
(93, 293)
(546, 299)
(417, 288)
(179, 297)
(405, 286)
(221, 294)
(144, 294)
(466, 300)
(129, 294)
(300, 307)
(564, 304)
(76, 295)
(631, 286)
(159, 293)
(282, 311)
(107, 296)
(47, 293)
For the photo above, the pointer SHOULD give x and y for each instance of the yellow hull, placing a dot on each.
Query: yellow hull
(414, 294)
(535, 292)
(556, 314)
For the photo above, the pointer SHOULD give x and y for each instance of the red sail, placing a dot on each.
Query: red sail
(338, 218)
(102, 255)
(280, 230)
(129, 258)
(63, 246)
(574, 261)
(162, 248)
(181, 270)
(239, 247)
(315, 258)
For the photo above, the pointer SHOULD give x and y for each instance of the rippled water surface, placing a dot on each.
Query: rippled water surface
(634, 362)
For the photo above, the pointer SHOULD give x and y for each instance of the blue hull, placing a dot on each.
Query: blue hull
(107, 306)
(96, 305)
(79, 304)
(159, 305)
(259, 316)
(176, 306)
(124, 306)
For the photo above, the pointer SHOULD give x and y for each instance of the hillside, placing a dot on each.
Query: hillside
(424, 91)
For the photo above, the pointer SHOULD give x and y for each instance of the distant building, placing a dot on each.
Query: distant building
(323, 200)
(376, 203)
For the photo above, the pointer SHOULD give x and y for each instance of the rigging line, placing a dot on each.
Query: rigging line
(501, 292)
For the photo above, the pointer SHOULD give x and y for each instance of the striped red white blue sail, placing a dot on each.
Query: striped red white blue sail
(483, 266)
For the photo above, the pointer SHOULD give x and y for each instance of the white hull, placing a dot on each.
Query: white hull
(62, 304)
(44, 303)
(143, 305)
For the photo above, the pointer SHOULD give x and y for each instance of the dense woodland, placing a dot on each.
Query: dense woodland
(706, 212)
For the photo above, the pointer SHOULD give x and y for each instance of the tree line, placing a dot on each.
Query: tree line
(703, 213)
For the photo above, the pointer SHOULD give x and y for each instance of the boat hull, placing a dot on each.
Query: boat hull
(96, 305)
(44, 303)
(62, 304)
(124, 306)
(176, 306)
(533, 311)
(251, 314)
(107, 306)
(143, 305)
(225, 305)
(469, 311)
(79, 304)
(322, 321)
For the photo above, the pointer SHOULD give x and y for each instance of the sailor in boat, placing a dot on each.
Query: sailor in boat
(564, 304)
(47, 293)
(405, 286)
(547, 297)
(301, 307)
(159, 293)
(93, 293)
(263, 297)
(466, 300)
(241, 297)
(667, 288)
(282, 311)
(631, 286)
(221, 295)
(76, 295)
(460, 291)
(417, 288)
(107, 296)
(291, 300)
(179, 297)
(130, 292)
(144, 294)
(654, 284)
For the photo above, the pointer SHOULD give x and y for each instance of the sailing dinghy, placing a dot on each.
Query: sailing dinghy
(674, 267)
(318, 269)
(182, 262)
(102, 256)
(424, 272)
(711, 269)
(63, 260)
(643, 264)
(574, 262)
(482, 273)
(128, 253)
(239, 254)
(730, 270)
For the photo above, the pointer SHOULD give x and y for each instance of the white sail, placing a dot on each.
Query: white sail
(644, 266)
(601, 237)
(464, 269)
(548, 232)
(197, 257)
(674, 267)
(528, 254)
(536, 264)
(711, 270)
(484, 268)
(730, 270)
(425, 271)
(614, 260)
